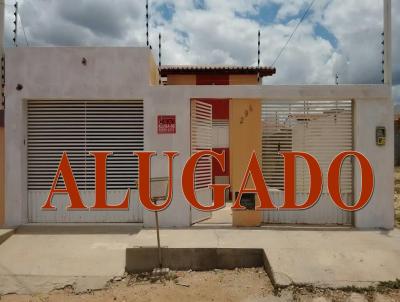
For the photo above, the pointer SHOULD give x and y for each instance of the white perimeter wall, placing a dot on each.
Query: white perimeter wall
(123, 73)
(368, 114)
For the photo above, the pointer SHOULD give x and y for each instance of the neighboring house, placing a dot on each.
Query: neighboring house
(83, 99)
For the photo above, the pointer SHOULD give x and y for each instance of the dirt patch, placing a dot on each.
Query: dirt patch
(248, 285)
(218, 285)
(380, 294)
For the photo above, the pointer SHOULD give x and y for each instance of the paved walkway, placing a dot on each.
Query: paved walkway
(38, 259)
(222, 216)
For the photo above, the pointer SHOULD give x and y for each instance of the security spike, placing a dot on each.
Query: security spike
(147, 24)
(15, 22)
(159, 58)
(259, 55)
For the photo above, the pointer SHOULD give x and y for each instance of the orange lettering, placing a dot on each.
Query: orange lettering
(144, 180)
(71, 188)
(290, 180)
(101, 184)
(188, 182)
(367, 181)
(260, 188)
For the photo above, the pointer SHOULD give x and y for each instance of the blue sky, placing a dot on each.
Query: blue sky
(338, 36)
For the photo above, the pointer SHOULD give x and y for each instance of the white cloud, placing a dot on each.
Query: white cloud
(359, 54)
(290, 8)
(216, 35)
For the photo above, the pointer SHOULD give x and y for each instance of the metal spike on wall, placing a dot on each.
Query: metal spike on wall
(147, 23)
(15, 30)
(3, 81)
(259, 53)
(159, 58)
(383, 57)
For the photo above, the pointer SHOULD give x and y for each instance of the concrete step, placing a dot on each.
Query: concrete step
(5, 234)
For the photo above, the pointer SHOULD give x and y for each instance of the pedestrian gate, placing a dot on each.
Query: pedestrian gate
(201, 139)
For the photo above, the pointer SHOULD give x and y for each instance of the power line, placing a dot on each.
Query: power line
(23, 30)
(294, 31)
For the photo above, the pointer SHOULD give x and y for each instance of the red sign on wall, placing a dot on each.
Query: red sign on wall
(166, 124)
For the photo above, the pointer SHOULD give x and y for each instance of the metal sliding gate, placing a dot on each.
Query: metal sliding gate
(79, 127)
(321, 128)
(201, 139)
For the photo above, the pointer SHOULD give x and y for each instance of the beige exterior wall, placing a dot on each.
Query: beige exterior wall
(181, 79)
(243, 79)
(2, 185)
(244, 138)
(128, 78)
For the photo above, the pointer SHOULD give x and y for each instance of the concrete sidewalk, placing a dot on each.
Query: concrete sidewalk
(42, 258)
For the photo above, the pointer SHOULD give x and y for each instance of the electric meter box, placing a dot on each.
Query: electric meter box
(380, 136)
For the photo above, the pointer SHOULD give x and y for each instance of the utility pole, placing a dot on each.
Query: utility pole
(2, 117)
(388, 42)
(2, 7)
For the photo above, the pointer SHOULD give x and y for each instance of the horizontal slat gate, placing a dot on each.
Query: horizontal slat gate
(201, 132)
(80, 127)
(201, 139)
(220, 133)
(321, 128)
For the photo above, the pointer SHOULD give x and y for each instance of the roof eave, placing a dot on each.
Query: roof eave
(262, 72)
